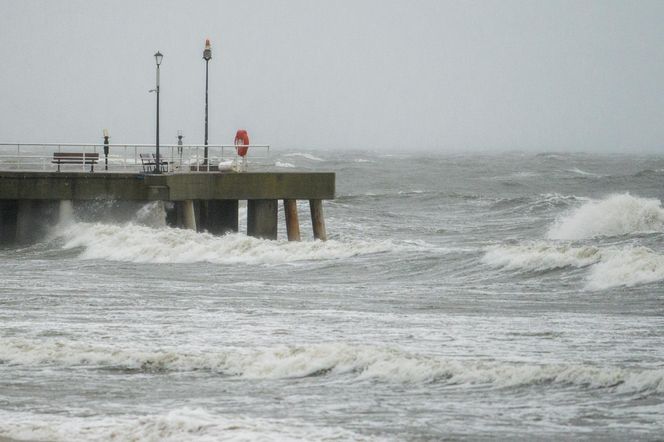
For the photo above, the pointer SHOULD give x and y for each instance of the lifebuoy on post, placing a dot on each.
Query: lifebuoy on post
(242, 142)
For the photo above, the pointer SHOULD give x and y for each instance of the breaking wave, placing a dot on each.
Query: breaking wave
(626, 267)
(616, 215)
(359, 362)
(541, 256)
(306, 156)
(141, 244)
(608, 267)
(193, 424)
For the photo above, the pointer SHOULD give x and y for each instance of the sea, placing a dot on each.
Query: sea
(484, 296)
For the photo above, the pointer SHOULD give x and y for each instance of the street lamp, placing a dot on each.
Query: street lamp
(207, 55)
(106, 137)
(157, 163)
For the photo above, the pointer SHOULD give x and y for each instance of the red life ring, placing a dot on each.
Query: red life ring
(242, 142)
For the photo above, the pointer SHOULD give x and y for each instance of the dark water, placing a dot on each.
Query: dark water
(460, 296)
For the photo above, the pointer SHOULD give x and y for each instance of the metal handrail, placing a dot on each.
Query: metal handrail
(176, 157)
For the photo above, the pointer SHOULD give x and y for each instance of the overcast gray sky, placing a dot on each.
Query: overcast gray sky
(440, 75)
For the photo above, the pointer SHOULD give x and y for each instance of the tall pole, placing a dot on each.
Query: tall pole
(207, 55)
(157, 163)
(205, 153)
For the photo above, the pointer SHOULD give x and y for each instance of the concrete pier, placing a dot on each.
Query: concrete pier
(317, 219)
(30, 201)
(262, 218)
(292, 221)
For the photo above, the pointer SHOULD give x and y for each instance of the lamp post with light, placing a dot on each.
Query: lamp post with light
(157, 163)
(207, 55)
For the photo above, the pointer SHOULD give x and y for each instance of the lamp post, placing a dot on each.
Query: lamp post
(157, 163)
(207, 55)
(106, 137)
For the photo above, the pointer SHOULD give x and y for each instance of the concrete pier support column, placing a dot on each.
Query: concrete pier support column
(8, 216)
(317, 219)
(188, 215)
(222, 216)
(262, 218)
(292, 221)
(25, 221)
(34, 218)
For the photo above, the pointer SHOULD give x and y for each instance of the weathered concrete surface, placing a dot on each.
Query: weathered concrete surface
(262, 218)
(218, 216)
(166, 187)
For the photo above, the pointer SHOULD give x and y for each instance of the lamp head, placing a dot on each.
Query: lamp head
(158, 57)
(207, 53)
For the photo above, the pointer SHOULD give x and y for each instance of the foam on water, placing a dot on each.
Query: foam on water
(608, 266)
(628, 267)
(615, 215)
(283, 164)
(191, 424)
(307, 156)
(359, 362)
(142, 244)
(541, 256)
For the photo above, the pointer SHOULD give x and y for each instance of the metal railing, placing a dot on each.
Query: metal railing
(127, 157)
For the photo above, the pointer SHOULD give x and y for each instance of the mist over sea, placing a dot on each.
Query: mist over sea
(502, 296)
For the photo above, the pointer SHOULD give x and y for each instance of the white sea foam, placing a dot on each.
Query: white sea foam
(608, 266)
(540, 256)
(583, 172)
(616, 215)
(190, 424)
(307, 156)
(285, 165)
(628, 266)
(136, 243)
(332, 359)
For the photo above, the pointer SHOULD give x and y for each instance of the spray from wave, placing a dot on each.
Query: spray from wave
(616, 215)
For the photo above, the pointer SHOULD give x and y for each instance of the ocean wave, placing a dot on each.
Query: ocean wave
(609, 267)
(191, 424)
(141, 244)
(285, 165)
(540, 256)
(615, 215)
(306, 156)
(542, 202)
(628, 267)
(584, 173)
(334, 359)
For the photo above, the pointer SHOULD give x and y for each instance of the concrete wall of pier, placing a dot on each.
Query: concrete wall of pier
(29, 201)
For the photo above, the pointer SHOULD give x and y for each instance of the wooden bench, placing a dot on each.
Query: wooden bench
(90, 158)
(149, 160)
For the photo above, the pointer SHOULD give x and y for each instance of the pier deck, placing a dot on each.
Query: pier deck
(203, 201)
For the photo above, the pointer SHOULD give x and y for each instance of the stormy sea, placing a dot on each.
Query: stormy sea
(459, 296)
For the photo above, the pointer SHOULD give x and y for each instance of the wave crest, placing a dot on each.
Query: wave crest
(359, 362)
(192, 424)
(542, 256)
(142, 244)
(616, 215)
